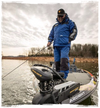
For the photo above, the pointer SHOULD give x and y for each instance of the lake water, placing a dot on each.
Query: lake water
(19, 87)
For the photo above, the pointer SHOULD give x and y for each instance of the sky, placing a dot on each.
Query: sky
(25, 25)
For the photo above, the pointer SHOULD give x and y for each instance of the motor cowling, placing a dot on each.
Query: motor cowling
(42, 76)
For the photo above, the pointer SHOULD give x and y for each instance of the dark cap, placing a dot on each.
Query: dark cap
(61, 12)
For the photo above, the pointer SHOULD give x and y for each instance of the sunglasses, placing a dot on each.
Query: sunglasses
(60, 16)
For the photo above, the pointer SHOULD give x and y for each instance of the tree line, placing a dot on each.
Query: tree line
(76, 50)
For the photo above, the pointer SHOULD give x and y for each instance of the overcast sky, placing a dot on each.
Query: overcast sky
(27, 25)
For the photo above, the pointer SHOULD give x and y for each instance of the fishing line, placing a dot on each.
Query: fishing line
(22, 63)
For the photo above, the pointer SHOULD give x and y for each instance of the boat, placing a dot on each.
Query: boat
(78, 86)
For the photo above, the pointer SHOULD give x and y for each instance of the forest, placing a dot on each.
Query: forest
(76, 50)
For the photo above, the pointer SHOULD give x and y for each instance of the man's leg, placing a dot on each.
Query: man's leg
(57, 58)
(65, 61)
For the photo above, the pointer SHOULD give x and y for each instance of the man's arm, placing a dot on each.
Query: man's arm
(51, 37)
(73, 30)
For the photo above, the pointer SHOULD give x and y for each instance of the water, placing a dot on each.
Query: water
(19, 87)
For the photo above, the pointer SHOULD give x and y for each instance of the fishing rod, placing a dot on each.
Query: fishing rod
(23, 63)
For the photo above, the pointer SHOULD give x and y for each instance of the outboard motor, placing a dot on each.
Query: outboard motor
(45, 79)
(53, 88)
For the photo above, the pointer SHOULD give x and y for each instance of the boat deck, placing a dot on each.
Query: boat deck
(82, 78)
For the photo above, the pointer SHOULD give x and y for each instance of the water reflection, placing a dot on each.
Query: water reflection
(89, 66)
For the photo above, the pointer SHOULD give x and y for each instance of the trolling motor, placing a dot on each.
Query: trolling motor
(53, 88)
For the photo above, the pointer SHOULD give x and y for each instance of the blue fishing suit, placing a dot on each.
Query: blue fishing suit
(62, 34)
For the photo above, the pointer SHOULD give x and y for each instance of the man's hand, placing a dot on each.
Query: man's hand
(48, 44)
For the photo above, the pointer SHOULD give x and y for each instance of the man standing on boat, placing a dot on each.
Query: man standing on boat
(62, 33)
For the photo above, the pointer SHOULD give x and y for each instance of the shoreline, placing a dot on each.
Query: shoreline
(78, 59)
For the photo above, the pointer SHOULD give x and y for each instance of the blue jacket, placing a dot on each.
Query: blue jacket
(63, 33)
